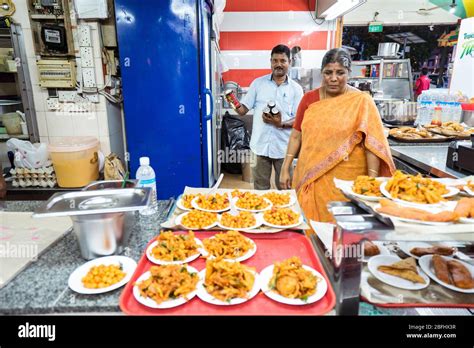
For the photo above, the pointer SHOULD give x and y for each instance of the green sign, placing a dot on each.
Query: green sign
(375, 27)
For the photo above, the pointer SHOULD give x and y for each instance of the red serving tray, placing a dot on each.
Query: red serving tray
(270, 248)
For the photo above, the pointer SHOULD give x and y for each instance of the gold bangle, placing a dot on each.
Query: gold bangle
(289, 155)
(374, 171)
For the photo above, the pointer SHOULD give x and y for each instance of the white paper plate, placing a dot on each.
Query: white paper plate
(292, 200)
(206, 297)
(196, 206)
(258, 223)
(452, 192)
(146, 301)
(466, 220)
(150, 256)
(244, 257)
(235, 199)
(364, 197)
(180, 204)
(178, 222)
(468, 191)
(300, 221)
(427, 266)
(383, 251)
(321, 288)
(397, 282)
(421, 222)
(75, 279)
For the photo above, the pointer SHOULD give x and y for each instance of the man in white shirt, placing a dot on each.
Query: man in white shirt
(270, 135)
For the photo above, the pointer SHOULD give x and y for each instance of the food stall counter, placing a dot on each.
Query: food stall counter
(430, 159)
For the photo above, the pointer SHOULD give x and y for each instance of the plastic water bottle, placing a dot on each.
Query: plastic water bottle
(146, 178)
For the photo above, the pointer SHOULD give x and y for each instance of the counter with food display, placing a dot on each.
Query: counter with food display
(259, 240)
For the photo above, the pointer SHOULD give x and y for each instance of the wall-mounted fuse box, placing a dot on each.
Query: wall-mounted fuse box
(56, 73)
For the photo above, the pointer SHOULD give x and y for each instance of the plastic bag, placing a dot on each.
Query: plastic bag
(28, 155)
(113, 169)
(235, 137)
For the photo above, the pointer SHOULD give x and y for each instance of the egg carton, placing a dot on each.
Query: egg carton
(34, 183)
(35, 176)
(27, 171)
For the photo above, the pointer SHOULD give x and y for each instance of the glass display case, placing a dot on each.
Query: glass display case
(386, 78)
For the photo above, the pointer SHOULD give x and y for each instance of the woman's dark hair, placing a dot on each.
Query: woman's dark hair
(281, 49)
(337, 55)
(424, 71)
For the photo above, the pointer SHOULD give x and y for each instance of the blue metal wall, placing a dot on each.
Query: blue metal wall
(158, 47)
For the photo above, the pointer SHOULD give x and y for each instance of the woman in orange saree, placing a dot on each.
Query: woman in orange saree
(337, 133)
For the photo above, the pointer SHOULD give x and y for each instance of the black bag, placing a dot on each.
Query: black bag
(235, 137)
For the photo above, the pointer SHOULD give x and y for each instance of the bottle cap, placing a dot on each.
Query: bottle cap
(438, 108)
(144, 161)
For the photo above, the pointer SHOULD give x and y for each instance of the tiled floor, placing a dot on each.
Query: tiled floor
(235, 181)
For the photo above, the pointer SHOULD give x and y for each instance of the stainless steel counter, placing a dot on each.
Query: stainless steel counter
(431, 159)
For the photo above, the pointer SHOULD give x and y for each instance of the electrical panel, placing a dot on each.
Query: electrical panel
(56, 73)
(51, 28)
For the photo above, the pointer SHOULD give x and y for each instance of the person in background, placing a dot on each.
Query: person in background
(295, 73)
(270, 133)
(337, 133)
(3, 184)
(423, 83)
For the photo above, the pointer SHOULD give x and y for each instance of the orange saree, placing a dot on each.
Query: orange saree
(335, 134)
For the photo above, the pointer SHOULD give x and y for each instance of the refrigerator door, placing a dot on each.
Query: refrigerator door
(207, 97)
(159, 60)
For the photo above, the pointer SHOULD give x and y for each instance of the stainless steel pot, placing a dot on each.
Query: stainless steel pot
(388, 49)
(7, 106)
(99, 217)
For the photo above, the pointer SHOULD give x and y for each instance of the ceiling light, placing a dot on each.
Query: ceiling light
(340, 8)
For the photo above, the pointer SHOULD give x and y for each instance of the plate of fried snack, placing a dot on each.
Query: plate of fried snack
(416, 135)
(280, 199)
(174, 249)
(426, 216)
(185, 201)
(403, 274)
(227, 283)
(282, 218)
(448, 272)
(419, 249)
(166, 286)
(215, 203)
(230, 246)
(451, 129)
(374, 248)
(244, 220)
(293, 283)
(252, 202)
(366, 187)
(416, 190)
(196, 220)
(101, 275)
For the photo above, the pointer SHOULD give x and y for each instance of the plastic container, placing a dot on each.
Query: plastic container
(468, 114)
(75, 160)
(437, 116)
(146, 178)
(12, 122)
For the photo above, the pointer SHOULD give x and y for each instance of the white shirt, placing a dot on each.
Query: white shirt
(267, 140)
